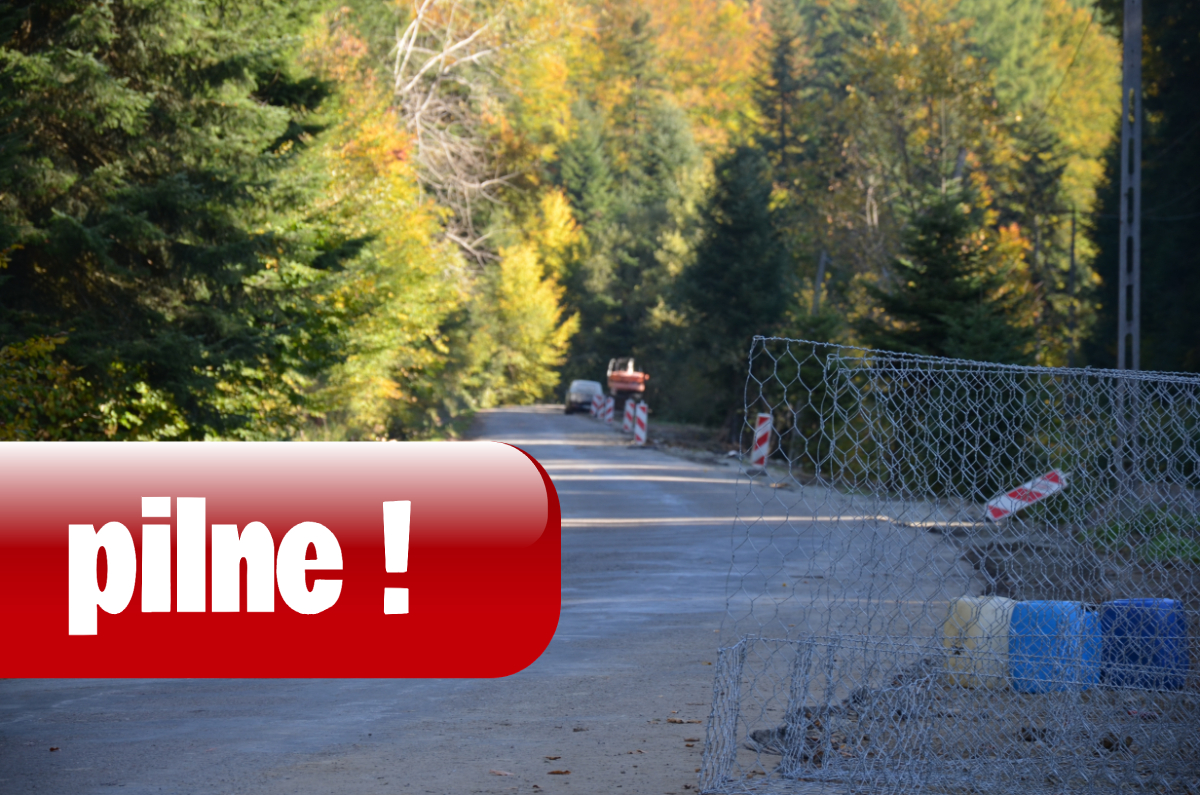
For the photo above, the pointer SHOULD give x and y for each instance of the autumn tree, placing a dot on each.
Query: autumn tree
(1056, 74)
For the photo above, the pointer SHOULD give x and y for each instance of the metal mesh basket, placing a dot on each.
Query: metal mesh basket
(960, 576)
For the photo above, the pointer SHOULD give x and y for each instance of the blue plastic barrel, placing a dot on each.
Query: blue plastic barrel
(1091, 650)
(1052, 647)
(1145, 644)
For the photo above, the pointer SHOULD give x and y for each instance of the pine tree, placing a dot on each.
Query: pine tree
(736, 287)
(1035, 198)
(953, 291)
(146, 139)
(631, 177)
(779, 89)
(639, 54)
(585, 171)
(805, 76)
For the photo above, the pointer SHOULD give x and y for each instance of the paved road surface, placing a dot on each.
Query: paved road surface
(645, 555)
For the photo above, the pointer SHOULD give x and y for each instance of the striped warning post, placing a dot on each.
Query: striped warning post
(1025, 495)
(627, 422)
(608, 409)
(762, 441)
(597, 404)
(641, 415)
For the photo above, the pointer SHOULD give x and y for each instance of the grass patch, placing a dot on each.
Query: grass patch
(1153, 534)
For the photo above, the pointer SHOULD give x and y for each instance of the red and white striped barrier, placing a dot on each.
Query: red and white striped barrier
(627, 422)
(641, 415)
(609, 403)
(1025, 495)
(762, 441)
(597, 404)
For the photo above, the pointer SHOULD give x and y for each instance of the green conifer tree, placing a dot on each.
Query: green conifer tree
(144, 140)
(779, 90)
(948, 292)
(585, 171)
(630, 178)
(736, 288)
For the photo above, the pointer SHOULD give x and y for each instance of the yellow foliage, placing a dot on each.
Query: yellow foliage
(520, 337)
(1082, 111)
(392, 300)
(42, 399)
(709, 55)
(923, 101)
(555, 232)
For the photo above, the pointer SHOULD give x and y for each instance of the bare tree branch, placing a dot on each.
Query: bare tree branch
(442, 83)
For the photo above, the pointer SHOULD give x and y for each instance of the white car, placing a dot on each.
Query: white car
(579, 395)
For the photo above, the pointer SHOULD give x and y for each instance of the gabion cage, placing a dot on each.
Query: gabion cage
(956, 576)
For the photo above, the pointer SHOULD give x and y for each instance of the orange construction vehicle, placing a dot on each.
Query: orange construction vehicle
(624, 381)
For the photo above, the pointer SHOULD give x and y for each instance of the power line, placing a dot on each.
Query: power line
(1175, 143)
(1078, 48)
(1170, 217)
(1169, 202)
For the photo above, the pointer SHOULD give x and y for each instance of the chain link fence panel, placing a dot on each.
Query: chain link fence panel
(955, 576)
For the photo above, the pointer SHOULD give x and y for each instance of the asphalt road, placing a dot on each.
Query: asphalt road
(646, 545)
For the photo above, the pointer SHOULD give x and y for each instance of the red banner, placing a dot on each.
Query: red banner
(275, 559)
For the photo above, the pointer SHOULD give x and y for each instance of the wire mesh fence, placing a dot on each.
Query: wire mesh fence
(955, 576)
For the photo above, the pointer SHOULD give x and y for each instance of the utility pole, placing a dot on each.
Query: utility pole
(1129, 296)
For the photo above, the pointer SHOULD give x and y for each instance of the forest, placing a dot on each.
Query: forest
(256, 219)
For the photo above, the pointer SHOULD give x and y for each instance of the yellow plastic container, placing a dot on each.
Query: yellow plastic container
(976, 635)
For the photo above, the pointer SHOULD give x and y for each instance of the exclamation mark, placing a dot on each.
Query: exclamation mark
(395, 553)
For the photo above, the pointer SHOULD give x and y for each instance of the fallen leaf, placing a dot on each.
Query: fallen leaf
(706, 662)
(689, 745)
(691, 739)
(499, 773)
(54, 748)
(552, 758)
(676, 720)
(579, 729)
(560, 772)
